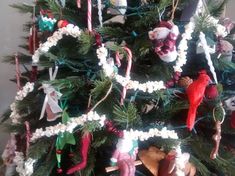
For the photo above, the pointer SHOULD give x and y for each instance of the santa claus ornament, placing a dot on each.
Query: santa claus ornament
(164, 38)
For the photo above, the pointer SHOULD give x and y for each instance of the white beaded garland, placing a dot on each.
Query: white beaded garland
(70, 29)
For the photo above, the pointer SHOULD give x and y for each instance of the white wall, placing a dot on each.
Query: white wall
(11, 31)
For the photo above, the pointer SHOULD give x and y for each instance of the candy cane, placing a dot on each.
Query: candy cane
(128, 70)
(79, 4)
(89, 13)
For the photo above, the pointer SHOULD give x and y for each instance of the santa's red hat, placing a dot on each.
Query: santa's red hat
(166, 24)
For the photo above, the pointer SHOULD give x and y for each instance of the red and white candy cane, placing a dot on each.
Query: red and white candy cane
(128, 70)
(79, 4)
(89, 14)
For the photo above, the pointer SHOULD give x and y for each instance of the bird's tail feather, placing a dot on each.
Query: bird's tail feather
(191, 117)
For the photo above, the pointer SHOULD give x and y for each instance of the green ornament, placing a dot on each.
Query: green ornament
(46, 24)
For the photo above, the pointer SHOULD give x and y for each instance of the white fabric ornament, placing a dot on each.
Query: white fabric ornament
(120, 7)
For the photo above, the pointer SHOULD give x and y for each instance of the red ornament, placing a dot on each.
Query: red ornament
(59, 152)
(195, 92)
(111, 128)
(98, 39)
(211, 92)
(62, 23)
(59, 171)
(33, 40)
(85, 144)
(233, 119)
(34, 73)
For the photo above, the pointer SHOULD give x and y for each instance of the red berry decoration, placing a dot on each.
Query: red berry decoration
(59, 171)
(62, 23)
(233, 120)
(211, 91)
(58, 152)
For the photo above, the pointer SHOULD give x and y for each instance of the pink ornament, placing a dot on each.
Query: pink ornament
(125, 155)
(164, 37)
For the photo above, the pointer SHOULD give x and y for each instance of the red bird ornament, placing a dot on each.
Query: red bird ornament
(195, 92)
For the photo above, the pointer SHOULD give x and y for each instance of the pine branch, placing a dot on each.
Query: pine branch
(23, 8)
(40, 148)
(216, 8)
(126, 116)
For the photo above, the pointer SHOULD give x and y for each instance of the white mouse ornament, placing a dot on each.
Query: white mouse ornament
(164, 38)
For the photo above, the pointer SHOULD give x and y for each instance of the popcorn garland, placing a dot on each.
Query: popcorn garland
(150, 86)
(70, 29)
(24, 168)
(183, 46)
(69, 127)
(153, 132)
(109, 70)
(20, 95)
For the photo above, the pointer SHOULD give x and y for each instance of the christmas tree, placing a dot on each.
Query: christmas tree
(126, 88)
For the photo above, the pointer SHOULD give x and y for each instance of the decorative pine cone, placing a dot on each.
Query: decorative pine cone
(185, 81)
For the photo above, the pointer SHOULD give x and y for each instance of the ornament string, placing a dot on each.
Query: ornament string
(18, 74)
(89, 14)
(128, 70)
(174, 7)
(100, 12)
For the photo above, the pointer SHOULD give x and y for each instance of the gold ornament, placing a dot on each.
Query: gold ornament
(185, 81)
(151, 158)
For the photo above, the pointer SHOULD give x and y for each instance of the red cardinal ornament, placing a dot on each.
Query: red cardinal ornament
(85, 144)
(195, 92)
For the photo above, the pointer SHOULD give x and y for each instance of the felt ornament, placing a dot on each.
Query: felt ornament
(50, 105)
(211, 92)
(176, 164)
(195, 92)
(46, 23)
(225, 50)
(164, 38)
(85, 144)
(151, 158)
(120, 7)
(125, 155)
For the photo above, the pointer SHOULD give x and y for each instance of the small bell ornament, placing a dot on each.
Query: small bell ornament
(164, 38)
